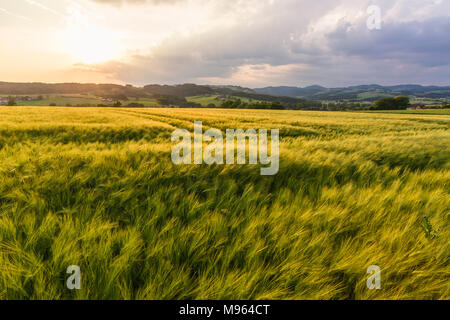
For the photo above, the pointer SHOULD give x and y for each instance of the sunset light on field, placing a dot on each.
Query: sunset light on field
(224, 159)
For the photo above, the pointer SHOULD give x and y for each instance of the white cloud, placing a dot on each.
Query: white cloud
(251, 42)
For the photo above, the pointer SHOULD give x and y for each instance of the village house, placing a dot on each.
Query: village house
(416, 107)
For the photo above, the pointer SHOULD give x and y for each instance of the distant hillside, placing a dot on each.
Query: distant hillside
(285, 95)
(358, 93)
(291, 91)
(181, 91)
(230, 89)
(47, 88)
(154, 90)
(185, 90)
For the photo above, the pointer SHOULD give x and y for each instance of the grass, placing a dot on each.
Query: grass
(421, 112)
(96, 188)
(63, 99)
(147, 102)
(206, 100)
(83, 99)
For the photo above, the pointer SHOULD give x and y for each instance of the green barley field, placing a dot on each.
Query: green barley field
(97, 188)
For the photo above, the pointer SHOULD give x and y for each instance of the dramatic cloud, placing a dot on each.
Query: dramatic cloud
(243, 42)
(303, 42)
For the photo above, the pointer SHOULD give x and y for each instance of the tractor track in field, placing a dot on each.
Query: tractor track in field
(174, 122)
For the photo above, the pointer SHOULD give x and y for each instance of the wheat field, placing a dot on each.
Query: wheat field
(96, 187)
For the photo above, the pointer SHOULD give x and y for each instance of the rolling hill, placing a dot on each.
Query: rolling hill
(358, 93)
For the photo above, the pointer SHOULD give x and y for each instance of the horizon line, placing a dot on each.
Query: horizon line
(226, 85)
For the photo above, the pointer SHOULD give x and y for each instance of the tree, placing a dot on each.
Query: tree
(384, 104)
(11, 102)
(276, 105)
(135, 105)
(402, 102)
(389, 103)
(228, 104)
(170, 100)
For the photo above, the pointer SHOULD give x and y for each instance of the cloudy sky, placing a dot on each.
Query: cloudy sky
(251, 43)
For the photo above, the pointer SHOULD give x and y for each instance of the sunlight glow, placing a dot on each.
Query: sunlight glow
(88, 43)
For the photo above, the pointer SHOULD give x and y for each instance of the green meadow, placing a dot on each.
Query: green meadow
(62, 100)
(96, 187)
(206, 100)
(419, 112)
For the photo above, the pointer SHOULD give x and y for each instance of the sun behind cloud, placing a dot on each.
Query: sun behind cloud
(89, 43)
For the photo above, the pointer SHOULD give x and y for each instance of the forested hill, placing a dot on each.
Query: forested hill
(119, 92)
(364, 92)
(286, 95)
(184, 90)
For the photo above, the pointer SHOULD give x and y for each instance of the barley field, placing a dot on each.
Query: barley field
(97, 188)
